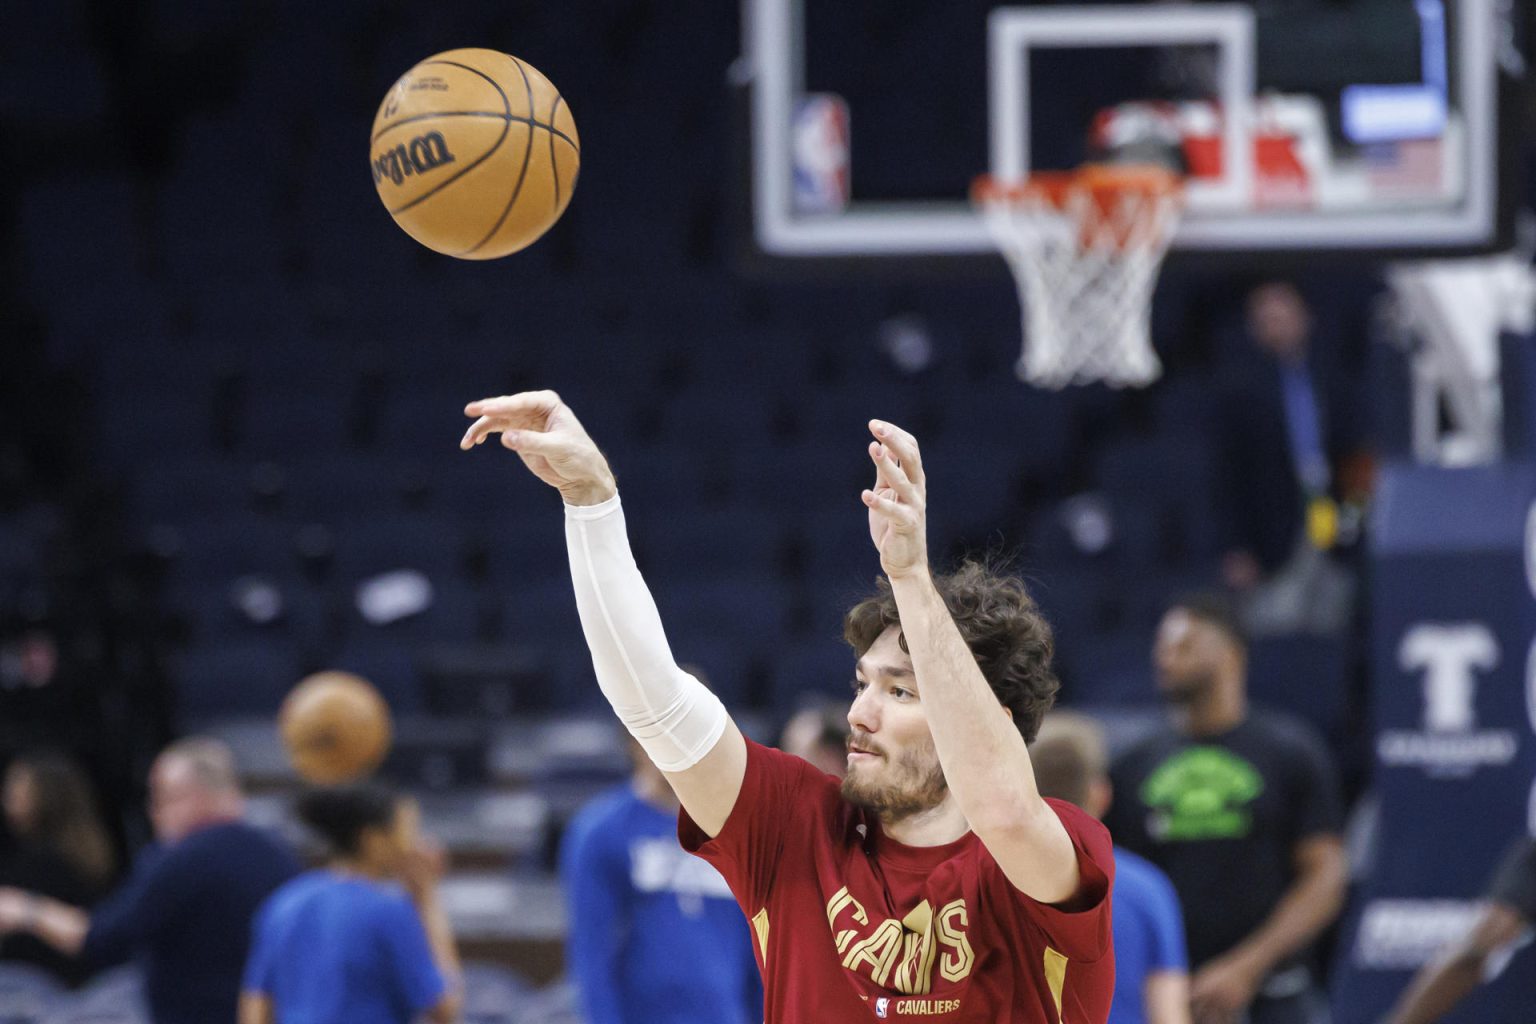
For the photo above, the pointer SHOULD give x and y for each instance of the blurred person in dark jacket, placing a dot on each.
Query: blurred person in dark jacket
(1295, 464)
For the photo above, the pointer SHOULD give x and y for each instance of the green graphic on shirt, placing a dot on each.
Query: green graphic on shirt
(1201, 793)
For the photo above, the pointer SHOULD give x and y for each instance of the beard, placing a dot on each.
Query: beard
(914, 783)
(1186, 689)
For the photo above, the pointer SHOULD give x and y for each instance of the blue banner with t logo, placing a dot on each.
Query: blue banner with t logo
(1453, 632)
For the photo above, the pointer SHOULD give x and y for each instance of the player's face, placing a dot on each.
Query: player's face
(893, 768)
(1186, 654)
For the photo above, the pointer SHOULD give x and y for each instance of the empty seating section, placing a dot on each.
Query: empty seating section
(280, 375)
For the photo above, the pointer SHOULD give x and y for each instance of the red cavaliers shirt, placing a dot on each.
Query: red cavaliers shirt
(851, 925)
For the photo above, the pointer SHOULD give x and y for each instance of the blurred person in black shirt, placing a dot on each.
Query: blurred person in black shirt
(1242, 810)
(57, 847)
(1503, 925)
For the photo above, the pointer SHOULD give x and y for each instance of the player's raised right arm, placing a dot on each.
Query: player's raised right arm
(683, 727)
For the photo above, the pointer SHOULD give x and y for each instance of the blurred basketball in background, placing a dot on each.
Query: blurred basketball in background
(336, 727)
(474, 153)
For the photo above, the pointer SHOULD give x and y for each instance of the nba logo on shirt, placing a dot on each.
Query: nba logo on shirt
(882, 1007)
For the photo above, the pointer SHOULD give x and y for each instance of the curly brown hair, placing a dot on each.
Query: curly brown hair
(1002, 626)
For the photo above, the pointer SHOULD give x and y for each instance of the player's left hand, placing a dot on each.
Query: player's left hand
(898, 503)
(1220, 991)
(424, 866)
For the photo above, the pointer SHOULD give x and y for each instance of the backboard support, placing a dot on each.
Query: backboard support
(1222, 217)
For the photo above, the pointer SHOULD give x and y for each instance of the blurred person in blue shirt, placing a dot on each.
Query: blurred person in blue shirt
(654, 934)
(364, 939)
(1151, 962)
(184, 914)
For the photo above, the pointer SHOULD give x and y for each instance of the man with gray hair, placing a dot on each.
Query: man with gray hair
(184, 914)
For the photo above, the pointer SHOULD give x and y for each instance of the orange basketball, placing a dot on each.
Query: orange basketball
(336, 728)
(474, 153)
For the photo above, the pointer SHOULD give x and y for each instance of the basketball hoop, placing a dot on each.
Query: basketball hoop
(1084, 247)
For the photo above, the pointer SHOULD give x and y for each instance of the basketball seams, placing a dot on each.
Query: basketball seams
(554, 167)
(522, 174)
(506, 127)
(506, 104)
(514, 118)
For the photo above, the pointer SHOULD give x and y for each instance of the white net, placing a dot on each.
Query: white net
(1085, 249)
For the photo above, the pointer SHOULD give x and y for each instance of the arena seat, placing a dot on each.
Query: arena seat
(232, 676)
(1307, 676)
(1114, 669)
(191, 490)
(390, 664)
(218, 550)
(740, 540)
(815, 669)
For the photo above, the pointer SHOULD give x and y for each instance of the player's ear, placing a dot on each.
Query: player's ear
(1101, 794)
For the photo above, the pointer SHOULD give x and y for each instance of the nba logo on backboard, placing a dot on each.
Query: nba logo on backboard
(882, 1007)
(820, 149)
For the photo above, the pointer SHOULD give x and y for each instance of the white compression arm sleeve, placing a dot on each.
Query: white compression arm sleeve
(673, 715)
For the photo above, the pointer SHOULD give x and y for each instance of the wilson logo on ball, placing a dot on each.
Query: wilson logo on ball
(422, 154)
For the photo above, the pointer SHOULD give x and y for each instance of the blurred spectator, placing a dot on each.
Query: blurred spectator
(363, 940)
(654, 935)
(1294, 459)
(58, 848)
(820, 735)
(1242, 810)
(185, 911)
(1503, 925)
(1151, 965)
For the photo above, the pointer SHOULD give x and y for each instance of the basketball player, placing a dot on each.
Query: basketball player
(651, 936)
(1240, 807)
(934, 883)
(363, 939)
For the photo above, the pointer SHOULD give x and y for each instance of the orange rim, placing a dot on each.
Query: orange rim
(1105, 182)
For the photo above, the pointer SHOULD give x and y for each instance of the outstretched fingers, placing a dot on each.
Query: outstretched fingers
(892, 474)
(503, 413)
(883, 500)
(478, 431)
(535, 442)
(904, 448)
(540, 402)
